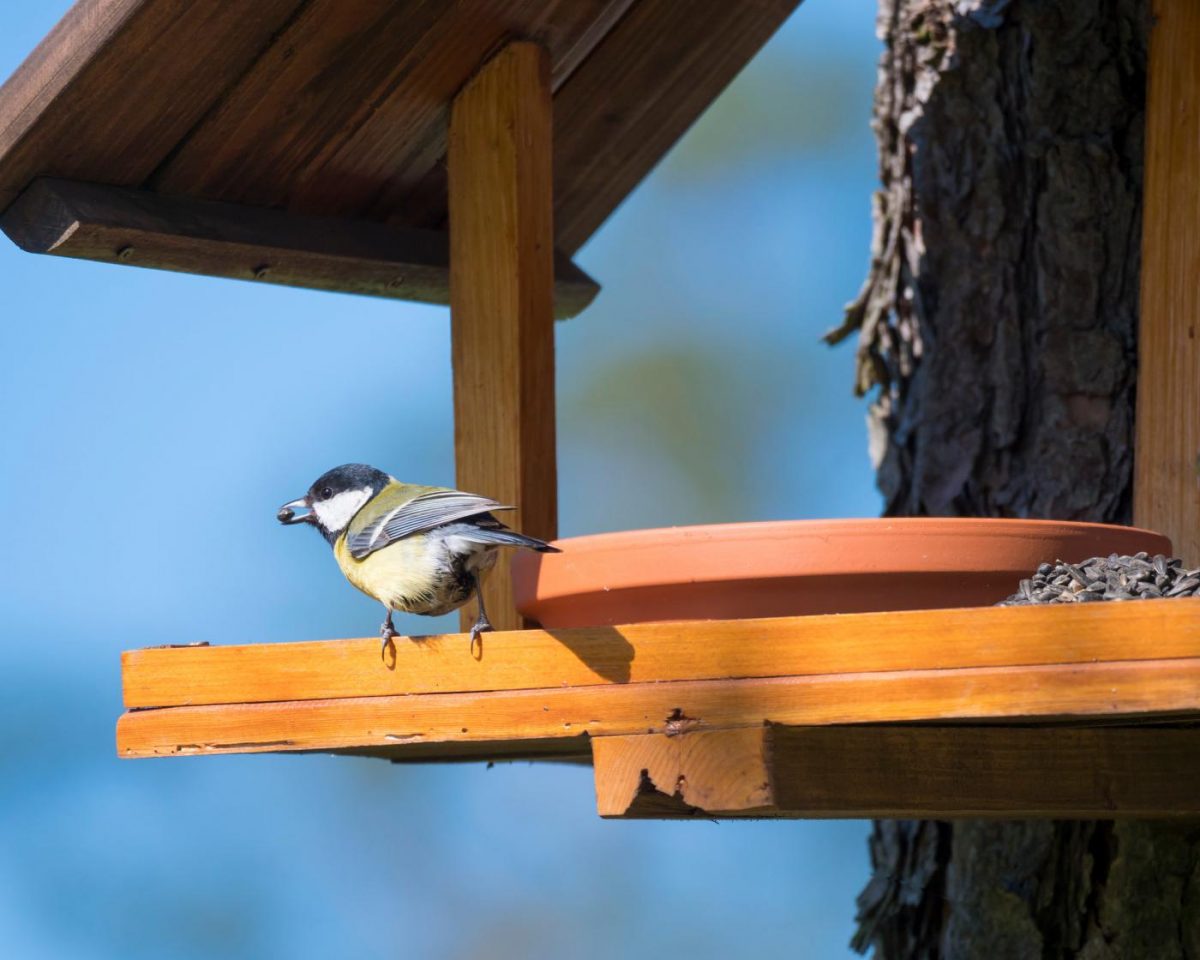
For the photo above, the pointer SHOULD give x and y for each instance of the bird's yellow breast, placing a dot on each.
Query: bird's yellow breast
(404, 575)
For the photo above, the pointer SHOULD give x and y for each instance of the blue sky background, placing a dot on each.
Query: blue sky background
(153, 424)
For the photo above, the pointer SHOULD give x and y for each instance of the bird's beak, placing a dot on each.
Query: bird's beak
(287, 513)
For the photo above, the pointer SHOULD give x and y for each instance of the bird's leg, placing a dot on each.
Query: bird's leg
(482, 623)
(387, 631)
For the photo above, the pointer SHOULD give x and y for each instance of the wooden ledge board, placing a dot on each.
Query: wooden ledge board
(653, 652)
(926, 771)
(508, 718)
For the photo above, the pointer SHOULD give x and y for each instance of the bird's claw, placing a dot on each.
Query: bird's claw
(482, 625)
(387, 632)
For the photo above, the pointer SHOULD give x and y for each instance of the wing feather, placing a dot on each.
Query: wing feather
(423, 512)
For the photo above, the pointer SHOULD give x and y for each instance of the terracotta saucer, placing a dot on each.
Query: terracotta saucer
(791, 568)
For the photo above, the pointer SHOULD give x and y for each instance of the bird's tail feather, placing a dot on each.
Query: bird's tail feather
(507, 538)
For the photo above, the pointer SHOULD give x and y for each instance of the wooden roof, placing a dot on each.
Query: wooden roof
(339, 107)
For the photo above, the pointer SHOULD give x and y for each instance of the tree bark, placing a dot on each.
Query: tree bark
(997, 337)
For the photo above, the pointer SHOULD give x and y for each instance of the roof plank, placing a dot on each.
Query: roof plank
(649, 80)
(109, 92)
(138, 228)
(347, 112)
(339, 107)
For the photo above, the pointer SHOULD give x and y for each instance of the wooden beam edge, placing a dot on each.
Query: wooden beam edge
(679, 651)
(1081, 692)
(138, 228)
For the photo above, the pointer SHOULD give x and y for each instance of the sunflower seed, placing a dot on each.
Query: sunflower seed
(1114, 577)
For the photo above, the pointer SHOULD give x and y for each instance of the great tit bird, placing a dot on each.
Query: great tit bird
(414, 549)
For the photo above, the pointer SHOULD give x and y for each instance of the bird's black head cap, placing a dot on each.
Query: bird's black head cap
(349, 476)
(334, 499)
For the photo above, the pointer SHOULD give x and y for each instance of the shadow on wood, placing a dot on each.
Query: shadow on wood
(926, 771)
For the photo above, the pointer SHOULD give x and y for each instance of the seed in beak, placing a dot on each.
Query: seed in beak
(287, 513)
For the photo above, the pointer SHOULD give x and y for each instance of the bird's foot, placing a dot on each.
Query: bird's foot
(482, 625)
(386, 633)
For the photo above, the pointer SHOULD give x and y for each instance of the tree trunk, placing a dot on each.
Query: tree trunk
(998, 335)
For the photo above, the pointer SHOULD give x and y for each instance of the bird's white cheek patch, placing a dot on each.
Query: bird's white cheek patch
(336, 513)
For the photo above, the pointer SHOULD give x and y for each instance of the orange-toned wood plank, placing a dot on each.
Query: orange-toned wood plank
(501, 298)
(1101, 690)
(649, 652)
(925, 771)
(117, 83)
(657, 774)
(1167, 474)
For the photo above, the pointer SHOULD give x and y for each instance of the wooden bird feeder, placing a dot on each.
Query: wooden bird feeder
(461, 153)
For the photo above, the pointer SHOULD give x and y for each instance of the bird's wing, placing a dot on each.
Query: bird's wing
(423, 512)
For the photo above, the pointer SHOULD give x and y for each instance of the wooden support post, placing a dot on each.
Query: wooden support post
(1167, 479)
(501, 297)
(932, 772)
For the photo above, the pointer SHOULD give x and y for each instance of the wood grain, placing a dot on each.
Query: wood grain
(567, 29)
(139, 228)
(347, 113)
(654, 652)
(116, 85)
(501, 293)
(336, 63)
(1095, 691)
(709, 772)
(649, 80)
(1167, 471)
(340, 107)
(926, 771)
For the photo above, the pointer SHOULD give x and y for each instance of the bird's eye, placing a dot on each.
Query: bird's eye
(326, 493)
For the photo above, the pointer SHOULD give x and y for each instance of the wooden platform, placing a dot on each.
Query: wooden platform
(1067, 711)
